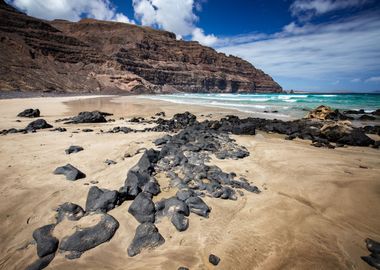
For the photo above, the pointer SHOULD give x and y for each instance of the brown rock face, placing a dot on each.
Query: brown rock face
(99, 56)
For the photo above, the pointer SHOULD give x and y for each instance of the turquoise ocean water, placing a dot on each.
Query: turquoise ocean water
(287, 105)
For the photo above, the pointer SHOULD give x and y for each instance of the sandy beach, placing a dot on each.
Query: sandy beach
(316, 207)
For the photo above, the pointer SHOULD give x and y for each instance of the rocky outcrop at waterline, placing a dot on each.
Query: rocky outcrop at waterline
(99, 56)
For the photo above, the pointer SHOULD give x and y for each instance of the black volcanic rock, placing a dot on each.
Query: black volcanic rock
(70, 172)
(71, 211)
(101, 199)
(213, 259)
(147, 236)
(46, 242)
(87, 238)
(29, 113)
(38, 124)
(73, 149)
(88, 117)
(374, 258)
(41, 263)
(142, 208)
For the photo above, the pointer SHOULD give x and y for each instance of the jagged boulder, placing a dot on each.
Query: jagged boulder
(142, 208)
(46, 242)
(70, 172)
(101, 199)
(146, 236)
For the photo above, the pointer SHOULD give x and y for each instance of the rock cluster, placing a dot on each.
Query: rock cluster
(184, 157)
(31, 127)
(182, 154)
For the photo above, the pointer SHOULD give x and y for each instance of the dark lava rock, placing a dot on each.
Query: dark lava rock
(70, 172)
(361, 111)
(244, 129)
(367, 117)
(213, 259)
(135, 182)
(29, 113)
(87, 130)
(373, 261)
(198, 206)
(184, 194)
(87, 238)
(38, 124)
(373, 246)
(374, 258)
(173, 205)
(110, 162)
(147, 236)
(180, 222)
(73, 149)
(152, 187)
(179, 121)
(136, 119)
(245, 185)
(162, 140)
(372, 129)
(71, 211)
(161, 114)
(140, 174)
(41, 263)
(88, 117)
(101, 199)
(377, 112)
(356, 138)
(46, 242)
(59, 129)
(121, 129)
(143, 208)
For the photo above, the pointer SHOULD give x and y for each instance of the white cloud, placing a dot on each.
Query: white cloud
(356, 80)
(306, 9)
(71, 10)
(207, 40)
(373, 79)
(340, 50)
(172, 15)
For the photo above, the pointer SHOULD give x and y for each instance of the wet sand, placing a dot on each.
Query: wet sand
(316, 208)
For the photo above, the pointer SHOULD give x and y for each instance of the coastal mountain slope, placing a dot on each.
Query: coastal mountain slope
(100, 56)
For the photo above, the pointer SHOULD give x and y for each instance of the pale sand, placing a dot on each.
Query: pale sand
(316, 208)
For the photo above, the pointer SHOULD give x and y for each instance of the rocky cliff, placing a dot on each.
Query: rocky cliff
(100, 56)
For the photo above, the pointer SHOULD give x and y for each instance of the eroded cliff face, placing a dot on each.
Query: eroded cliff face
(99, 56)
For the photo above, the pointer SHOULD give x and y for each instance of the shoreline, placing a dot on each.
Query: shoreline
(316, 207)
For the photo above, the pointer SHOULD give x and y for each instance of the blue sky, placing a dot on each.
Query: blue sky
(314, 45)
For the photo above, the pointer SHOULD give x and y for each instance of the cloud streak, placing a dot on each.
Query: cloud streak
(346, 49)
(306, 9)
